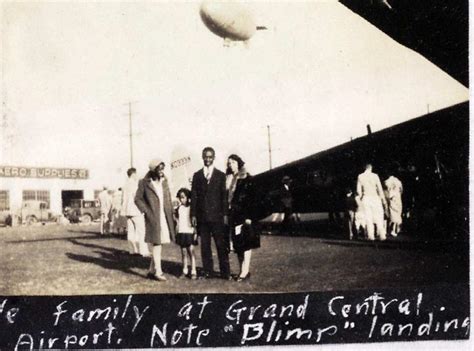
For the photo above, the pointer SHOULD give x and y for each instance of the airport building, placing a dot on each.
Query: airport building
(55, 186)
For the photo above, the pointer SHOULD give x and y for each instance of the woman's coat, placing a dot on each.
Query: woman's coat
(148, 202)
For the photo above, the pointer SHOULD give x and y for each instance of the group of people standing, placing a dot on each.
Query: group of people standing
(222, 207)
(110, 211)
(374, 209)
(218, 206)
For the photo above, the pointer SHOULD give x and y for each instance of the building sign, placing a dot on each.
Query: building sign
(43, 172)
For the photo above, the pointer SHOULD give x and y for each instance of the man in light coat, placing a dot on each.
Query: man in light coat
(153, 199)
(135, 220)
(370, 190)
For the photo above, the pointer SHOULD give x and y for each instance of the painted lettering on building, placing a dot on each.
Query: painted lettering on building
(43, 172)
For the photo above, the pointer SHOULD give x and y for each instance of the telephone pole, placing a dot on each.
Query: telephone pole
(130, 131)
(269, 146)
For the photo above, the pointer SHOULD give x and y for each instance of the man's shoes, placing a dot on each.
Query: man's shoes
(226, 277)
(205, 275)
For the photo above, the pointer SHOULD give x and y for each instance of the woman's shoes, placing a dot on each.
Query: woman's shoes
(192, 276)
(241, 279)
(160, 278)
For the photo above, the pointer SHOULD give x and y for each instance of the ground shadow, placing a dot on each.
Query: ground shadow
(95, 246)
(106, 260)
(85, 231)
(111, 258)
(66, 238)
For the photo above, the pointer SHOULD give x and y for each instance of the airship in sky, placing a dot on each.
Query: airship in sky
(229, 20)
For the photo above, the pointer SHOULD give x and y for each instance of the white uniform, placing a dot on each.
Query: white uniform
(371, 193)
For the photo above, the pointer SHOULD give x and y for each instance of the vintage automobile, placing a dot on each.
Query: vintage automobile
(85, 211)
(33, 211)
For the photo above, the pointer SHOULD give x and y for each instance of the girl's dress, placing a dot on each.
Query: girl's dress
(185, 235)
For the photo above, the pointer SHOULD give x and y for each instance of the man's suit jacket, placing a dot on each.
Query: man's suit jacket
(209, 200)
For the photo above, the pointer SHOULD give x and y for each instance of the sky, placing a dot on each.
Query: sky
(317, 77)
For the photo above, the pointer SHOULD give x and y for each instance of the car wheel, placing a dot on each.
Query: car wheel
(86, 219)
(31, 220)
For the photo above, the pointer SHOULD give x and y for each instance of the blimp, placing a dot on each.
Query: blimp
(229, 20)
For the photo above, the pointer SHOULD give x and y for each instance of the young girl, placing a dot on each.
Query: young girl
(187, 236)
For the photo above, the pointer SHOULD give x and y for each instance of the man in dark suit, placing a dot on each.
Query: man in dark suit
(209, 213)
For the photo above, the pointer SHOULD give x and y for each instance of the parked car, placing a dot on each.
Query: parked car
(86, 211)
(33, 211)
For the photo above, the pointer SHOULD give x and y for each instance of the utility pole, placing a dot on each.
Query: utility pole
(130, 131)
(269, 147)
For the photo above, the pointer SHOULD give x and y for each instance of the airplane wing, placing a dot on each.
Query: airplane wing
(436, 29)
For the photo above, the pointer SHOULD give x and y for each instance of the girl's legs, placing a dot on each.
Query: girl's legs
(245, 265)
(184, 259)
(192, 258)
